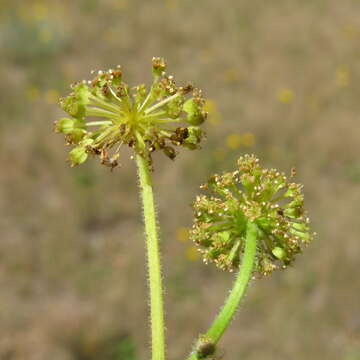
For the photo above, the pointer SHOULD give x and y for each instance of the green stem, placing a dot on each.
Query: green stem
(153, 254)
(228, 311)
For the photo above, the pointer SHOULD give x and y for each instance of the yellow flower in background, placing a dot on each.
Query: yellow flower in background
(32, 93)
(285, 96)
(120, 4)
(234, 141)
(52, 96)
(214, 116)
(171, 4)
(182, 234)
(39, 11)
(342, 76)
(349, 31)
(192, 253)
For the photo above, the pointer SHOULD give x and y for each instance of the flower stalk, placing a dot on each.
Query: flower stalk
(153, 255)
(224, 318)
(226, 314)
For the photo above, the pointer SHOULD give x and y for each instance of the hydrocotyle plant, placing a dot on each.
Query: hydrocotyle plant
(253, 219)
(106, 113)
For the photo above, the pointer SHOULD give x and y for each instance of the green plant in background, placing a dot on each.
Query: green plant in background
(252, 221)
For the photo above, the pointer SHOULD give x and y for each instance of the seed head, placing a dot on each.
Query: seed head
(106, 113)
(251, 193)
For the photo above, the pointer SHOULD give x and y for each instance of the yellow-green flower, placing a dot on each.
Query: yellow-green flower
(286, 96)
(106, 113)
(262, 196)
(343, 76)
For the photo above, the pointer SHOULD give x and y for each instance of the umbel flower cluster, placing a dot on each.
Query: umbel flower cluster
(262, 196)
(106, 113)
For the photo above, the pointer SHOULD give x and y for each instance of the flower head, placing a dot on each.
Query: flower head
(262, 196)
(106, 113)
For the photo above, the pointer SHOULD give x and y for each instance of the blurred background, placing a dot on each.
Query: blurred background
(282, 79)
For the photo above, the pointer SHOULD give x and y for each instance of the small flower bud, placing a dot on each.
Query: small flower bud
(194, 108)
(158, 65)
(79, 154)
(65, 125)
(75, 136)
(279, 252)
(72, 128)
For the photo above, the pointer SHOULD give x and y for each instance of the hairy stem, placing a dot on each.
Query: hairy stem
(223, 320)
(153, 254)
